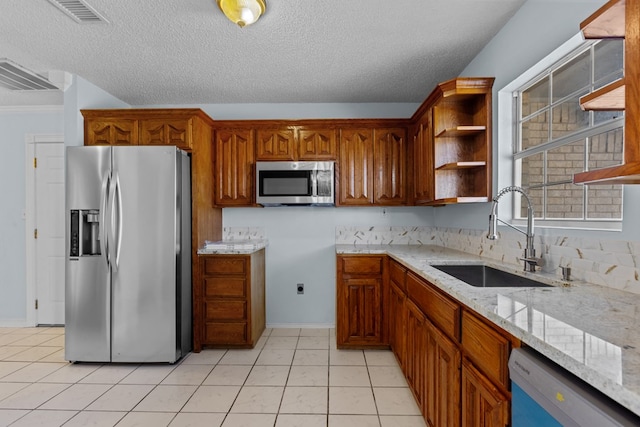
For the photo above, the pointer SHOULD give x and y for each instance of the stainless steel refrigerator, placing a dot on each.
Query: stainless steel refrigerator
(128, 246)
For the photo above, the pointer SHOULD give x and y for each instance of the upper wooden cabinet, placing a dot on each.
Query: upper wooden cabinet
(234, 167)
(372, 166)
(275, 144)
(114, 131)
(355, 174)
(457, 143)
(177, 127)
(317, 143)
(422, 153)
(166, 132)
(291, 143)
(618, 19)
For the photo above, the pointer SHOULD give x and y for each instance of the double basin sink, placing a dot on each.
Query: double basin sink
(483, 276)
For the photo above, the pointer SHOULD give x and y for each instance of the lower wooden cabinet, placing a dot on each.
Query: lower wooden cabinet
(454, 361)
(396, 319)
(360, 297)
(229, 300)
(441, 405)
(416, 352)
(483, 404)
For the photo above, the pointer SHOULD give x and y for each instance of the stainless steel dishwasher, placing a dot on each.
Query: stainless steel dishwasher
(545, 395)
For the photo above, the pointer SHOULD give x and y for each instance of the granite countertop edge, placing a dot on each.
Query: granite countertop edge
(235, 249)
(600, 312)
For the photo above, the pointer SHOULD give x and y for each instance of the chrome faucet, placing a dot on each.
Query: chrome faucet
(530, 260)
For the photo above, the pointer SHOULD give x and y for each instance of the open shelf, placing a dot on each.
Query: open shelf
(628, 173)
(461, 131)
(607, 98)
(453, 200)
(461, 165)
(607, 22)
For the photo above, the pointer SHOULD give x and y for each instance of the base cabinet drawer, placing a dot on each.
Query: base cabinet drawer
(226, 333)
(225, 310)
(220, 287)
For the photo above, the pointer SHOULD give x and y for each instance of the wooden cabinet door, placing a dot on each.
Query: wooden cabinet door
(111, 132)
(234, 162)
(442, 388)
(356, 167)
(317, 144)
(390, 148)
(275, 144)
(166, 132)
(423, 181)
(416, 355)
(483, 405)
(397, 319)
(361, 311)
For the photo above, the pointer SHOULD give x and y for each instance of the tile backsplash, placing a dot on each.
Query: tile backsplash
(610, 263)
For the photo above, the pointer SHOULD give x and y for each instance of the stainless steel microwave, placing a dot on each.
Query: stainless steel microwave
(295, 183)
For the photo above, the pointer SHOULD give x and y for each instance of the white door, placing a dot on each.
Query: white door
(49, 226)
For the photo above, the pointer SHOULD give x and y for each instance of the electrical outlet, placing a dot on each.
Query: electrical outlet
(300, 288)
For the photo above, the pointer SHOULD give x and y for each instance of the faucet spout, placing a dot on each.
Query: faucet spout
(530, 260)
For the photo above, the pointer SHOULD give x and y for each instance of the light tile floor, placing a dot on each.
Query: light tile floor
(294, 377)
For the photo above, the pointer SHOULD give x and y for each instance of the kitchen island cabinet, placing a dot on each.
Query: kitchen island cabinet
(229, 300)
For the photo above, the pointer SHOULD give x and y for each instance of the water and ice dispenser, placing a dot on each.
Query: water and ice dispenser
(85, 232)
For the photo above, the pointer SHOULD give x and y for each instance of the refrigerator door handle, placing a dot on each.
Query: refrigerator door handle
(111, 224)
(118, 231)
(104, 237)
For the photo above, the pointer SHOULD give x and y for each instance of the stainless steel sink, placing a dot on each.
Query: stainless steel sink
(483, 276)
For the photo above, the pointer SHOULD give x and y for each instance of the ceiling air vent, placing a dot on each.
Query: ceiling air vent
(15, 77)
(79, 11)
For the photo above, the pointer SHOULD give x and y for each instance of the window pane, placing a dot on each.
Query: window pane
(565, 201)
(608, 61)
(603, 116)
(535, 98)
(606, 149)
(573, 76)
(535, 195)
(535, 131)
(604, 201)
(532, 171)
(568, 118)
(563, 162)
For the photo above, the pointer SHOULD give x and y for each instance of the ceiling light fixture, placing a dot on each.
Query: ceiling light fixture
(242, 12)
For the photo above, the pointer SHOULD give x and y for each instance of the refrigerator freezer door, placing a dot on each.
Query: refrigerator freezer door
(87, 277)
(144, 279)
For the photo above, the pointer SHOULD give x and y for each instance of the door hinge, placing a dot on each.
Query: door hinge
(36, 304)
(35, 162)
(35, 233)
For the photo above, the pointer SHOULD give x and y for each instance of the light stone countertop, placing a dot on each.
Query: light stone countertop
(590, 330)
(232, 247)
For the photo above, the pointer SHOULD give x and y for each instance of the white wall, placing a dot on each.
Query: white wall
(538, 28)
(302, 250)
(15, 124)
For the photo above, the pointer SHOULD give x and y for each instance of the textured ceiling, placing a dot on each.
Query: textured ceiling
(300, 51)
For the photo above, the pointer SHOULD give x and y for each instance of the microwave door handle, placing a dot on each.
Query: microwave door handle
(314, 183)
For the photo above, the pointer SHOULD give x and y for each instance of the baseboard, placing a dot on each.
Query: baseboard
(301, 325)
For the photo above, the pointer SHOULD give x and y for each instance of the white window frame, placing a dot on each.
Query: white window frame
(504, 163)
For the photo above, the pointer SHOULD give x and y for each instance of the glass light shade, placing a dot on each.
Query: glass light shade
(242, 12)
